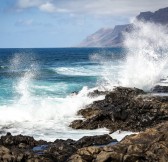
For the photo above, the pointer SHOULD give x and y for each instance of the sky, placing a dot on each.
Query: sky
(64, 23)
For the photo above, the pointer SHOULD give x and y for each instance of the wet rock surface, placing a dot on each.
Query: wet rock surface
(24, 148)
(124, 109)
(96, 93)
(148, 146)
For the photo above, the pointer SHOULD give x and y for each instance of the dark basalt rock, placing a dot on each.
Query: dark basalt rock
(125, 109)
(10, 140)
(61, 150)
(19, 155)
(96, 93)
(148, 146)
(76, 124)
(88, 112)
(24, 148)
(19, 148)
(94, 141)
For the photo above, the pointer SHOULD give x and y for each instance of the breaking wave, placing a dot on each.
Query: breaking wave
(145, 58)
(147, 55)
(42, 116)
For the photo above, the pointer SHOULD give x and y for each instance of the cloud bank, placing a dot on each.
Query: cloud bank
(93, 7)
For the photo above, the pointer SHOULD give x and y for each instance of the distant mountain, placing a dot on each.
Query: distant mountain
(114, 37)
(159, 16)
(97, 39)
(106, 37)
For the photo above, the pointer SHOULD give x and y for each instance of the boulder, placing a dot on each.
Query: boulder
(94, 141)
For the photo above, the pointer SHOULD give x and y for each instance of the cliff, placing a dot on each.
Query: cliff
(106, 37)
(160, 16)
(114, 37)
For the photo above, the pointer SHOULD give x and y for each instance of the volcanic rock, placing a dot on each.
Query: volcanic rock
(61, 150)
(148, 146)
(125, 109)
(24, 148)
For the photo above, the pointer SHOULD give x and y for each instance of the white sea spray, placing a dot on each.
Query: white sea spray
(147, 55)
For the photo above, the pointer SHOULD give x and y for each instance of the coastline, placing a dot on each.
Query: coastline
(125, 109)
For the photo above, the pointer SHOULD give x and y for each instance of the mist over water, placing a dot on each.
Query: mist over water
(111, 63)
(147, 56)
(144, 60)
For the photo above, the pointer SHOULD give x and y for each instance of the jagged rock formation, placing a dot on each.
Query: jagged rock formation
(148, 146)
(26, 149)
(125, 109)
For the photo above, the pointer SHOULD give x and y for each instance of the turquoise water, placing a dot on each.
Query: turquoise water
(36, 88)
(48, 72)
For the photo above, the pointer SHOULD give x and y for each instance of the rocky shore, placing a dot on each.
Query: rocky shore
(148, 146)
(27, 149)
(129, 109)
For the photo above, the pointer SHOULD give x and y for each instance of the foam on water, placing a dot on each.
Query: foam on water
(47, 118)
(79, 71)
(44, 117)
(119, 135)
(108, 71)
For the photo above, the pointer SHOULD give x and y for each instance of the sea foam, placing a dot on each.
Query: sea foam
(43, 117)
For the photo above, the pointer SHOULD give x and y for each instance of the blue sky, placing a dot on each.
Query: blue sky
(63, 23)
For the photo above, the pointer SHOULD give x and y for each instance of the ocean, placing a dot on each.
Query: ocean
(42, 89)
(37, 88)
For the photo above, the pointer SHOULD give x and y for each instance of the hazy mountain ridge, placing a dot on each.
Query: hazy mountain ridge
(115, 37)
(159, 16)
(106, 37)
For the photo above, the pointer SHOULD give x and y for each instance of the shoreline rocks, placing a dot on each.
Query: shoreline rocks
(24, 148)
(128, 109)
(122, 109)
(148, 146)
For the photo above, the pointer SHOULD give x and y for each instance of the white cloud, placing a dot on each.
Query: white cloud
(51, 8)
(47, 7)
(94, 7)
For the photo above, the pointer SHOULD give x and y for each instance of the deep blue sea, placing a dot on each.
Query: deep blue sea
(37, 85)
(50, 71)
